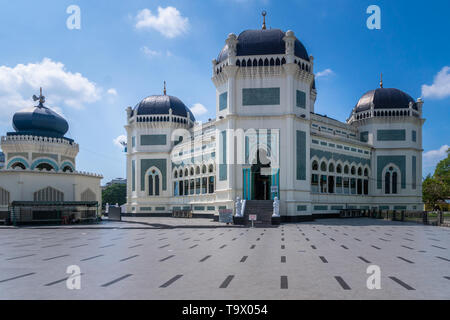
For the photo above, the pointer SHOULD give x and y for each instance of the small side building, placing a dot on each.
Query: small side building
(39, 181)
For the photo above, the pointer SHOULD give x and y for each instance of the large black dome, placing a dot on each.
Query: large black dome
(384, 98)
(263, 42)
(40, 121)
(160, 104)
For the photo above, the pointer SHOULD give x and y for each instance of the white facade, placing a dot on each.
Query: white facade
(317, 165)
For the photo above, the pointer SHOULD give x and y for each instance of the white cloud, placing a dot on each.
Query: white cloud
(61, 87)
(119, 140)
(112, 92)
(168, 22)
(198, 109)
(431, 158)
(440, 88)
(150, 53)
(324, 73)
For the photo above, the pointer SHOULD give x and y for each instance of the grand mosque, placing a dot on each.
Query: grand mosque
(267, 141)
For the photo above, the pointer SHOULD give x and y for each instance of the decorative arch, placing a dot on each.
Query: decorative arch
(50, 162)
(67, 166)
(4, 197)
(88, 195)
(15, 161)
(49, 194)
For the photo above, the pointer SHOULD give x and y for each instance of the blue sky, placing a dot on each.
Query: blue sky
(126, 49)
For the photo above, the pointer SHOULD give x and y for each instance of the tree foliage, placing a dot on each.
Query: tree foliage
(436, 188)
(116, 193)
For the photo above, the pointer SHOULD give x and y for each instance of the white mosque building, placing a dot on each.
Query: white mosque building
(39, 180)
(268, 141)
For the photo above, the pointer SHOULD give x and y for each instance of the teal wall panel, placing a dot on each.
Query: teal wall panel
(301, 155)
(260, 96)
(161, 164)
(223, 174)
(320, 208)
(414, 136)
(133, 175)
(364, 136)
(383, 161)
(301, 99)
(391, 135)
(223, 101)
(302, 208)
(414, 172)
(153, 140)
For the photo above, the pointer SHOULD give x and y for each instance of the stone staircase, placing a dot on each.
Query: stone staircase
(262, 208)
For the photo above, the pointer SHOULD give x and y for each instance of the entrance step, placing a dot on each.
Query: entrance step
(262, 208)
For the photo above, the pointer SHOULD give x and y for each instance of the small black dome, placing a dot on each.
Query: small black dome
(263, 42)
(384, 98)
(40, 121)
(160, 104)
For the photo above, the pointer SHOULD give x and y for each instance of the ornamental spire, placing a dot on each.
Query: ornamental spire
(41, 98)
(264, 13)
(165, 88)
(381, 80)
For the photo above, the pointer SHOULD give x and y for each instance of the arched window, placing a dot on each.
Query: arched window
(203, 169)
(154, 182)
(353, 171)
(18, 165)
(175, 174)
(339, 168)
(197, 170)
(181, 173)
(266, 62)
(67, 169)
(394, 183)
(315, 166)
(186, 172)
(346, 169)
(387, 183)
(211, 168)
(255, 63)
(277, 62)
(366, 172)
(331, 168)
(238, 63)
(272, 62)
(359, 172)
(244, 64)
(323, 166)
(192, 171)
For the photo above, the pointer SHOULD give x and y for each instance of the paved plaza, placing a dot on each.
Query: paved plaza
(324, 259)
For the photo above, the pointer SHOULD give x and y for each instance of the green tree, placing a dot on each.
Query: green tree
(434, 190)
(116, 193)
(442, 171)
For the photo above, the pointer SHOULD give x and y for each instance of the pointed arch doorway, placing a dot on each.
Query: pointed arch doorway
(261, 182)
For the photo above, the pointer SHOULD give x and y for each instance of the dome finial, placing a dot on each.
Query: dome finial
(164, 88)
(41, 98)
(264, 13)
(381, 80)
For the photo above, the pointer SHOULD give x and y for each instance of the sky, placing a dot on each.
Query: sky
(119, 52)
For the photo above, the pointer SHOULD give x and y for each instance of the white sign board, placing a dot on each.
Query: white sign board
(252, 217)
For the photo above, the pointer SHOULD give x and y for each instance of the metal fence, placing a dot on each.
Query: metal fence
(436, 218)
